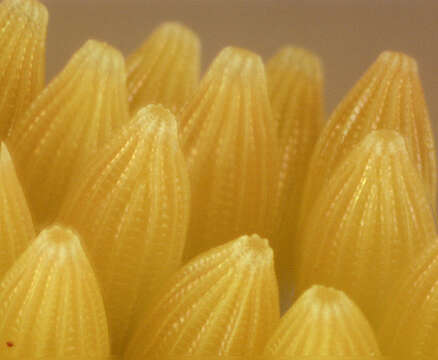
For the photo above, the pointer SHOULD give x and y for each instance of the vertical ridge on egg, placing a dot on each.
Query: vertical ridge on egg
(295, 84)
(16, 226)
(23, 29)
(409, 325)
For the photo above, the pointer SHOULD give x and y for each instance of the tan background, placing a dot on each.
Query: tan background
(347, 34)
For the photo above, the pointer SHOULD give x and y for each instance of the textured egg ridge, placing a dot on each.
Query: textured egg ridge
(408, 327)
(16, 226)
(23, 29)
(295, 84)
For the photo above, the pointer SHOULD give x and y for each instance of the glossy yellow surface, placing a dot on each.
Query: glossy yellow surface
(295, 84)
(131, 207)
(50, 303)
(388, 96)
(230, 142)
(410, 324)
(323, 322)
(224, 302)
(70, 119)
(16, 227)
(371, 220)
(23, 27)
(165, 68)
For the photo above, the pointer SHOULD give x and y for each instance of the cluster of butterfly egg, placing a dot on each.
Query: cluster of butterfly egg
(345, 205)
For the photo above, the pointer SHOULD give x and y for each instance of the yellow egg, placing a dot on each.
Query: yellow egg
(410, 323)
(388, 96)
(165, 68)
(371, 220)
(323, 323)
(131, 206)
(230, 142)
(50, 302)
(16, 226)
(70, 119)
(295, 84)
(23, 28)
(222, 303)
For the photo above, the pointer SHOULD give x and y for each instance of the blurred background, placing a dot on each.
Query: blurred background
(347, 34)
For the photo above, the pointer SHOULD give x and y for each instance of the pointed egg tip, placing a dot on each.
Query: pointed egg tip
(406, 63)
(101, 54)
(385, 142)
(157, 113)
(254, 248)
(59, 235)
(324, 294)
(240, 52)
(235, 60)
(32, 10)
(298, 59)
(174, 27)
